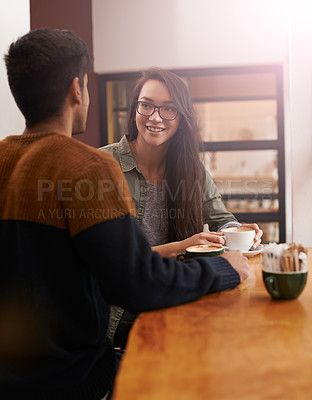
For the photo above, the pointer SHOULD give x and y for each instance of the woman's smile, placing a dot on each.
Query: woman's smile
(154, 129)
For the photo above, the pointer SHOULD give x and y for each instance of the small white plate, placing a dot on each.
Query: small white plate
(255, 252)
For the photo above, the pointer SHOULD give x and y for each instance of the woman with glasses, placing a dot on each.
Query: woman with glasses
(173, 193)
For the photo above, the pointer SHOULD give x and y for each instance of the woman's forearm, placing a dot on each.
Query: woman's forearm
(173, 248)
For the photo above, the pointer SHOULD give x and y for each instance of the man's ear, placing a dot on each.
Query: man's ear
(75, 91)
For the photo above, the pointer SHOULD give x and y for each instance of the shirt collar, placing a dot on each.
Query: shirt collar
(127, 160)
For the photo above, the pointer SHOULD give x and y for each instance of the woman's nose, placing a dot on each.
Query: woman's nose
(155, 116)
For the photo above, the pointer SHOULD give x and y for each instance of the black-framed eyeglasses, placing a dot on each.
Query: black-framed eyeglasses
(165, 112)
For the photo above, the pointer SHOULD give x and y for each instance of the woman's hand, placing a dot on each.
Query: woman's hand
(173, 248)
(202, 238)
(258, 235)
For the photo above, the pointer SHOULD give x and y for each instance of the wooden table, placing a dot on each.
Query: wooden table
(237, 344)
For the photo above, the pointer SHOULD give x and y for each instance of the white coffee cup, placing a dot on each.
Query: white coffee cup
(239, 237)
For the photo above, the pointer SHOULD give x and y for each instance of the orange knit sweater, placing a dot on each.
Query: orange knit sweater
(69, 248)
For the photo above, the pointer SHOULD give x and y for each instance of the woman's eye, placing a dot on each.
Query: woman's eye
(169, 109)
(146, 106)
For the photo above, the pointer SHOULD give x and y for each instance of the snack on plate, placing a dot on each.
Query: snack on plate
(284, 257)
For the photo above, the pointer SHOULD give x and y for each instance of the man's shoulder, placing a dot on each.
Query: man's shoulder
(86, 152)
(92, 158)
(79, 158)
(93, 153)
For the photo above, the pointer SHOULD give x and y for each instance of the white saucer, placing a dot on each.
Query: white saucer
(251, 253)
(255, 252)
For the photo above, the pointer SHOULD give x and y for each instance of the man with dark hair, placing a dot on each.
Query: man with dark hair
(69, 243)
(40, 81)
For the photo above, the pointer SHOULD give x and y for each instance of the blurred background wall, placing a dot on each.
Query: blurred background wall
(131, 35)
(14, 22)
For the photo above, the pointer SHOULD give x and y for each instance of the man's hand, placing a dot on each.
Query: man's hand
(238, 262)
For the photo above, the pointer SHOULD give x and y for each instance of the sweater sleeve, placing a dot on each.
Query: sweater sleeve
(132, 276)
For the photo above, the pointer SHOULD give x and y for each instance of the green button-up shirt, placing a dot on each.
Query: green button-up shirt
(215, 213)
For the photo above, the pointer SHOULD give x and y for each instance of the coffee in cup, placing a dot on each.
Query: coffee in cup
(201, 250)
(239, 237)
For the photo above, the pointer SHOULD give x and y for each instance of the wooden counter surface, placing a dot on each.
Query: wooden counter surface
(236, 344)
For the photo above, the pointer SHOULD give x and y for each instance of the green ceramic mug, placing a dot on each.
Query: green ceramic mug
(201, 250)
(284, 285)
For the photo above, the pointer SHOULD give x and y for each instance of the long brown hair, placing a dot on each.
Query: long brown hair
(184, 171)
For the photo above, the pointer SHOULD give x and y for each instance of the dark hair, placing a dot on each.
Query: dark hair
(184, 171)
(41, 66)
